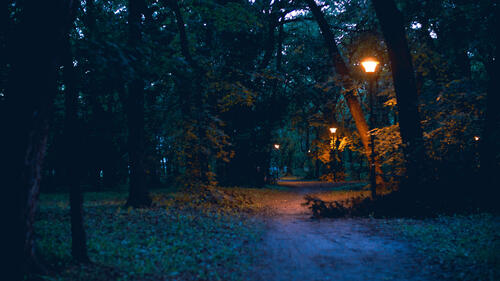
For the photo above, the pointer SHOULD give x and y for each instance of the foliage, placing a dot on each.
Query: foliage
(214, 118)
(386, 204)
(456, 123)
(388, 149)
(335, 209)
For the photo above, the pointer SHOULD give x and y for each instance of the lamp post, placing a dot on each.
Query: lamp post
(332, 151)
(477, 157)
(370, 68)
(277, 169)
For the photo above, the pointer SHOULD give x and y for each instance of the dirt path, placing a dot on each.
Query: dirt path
(298, 248)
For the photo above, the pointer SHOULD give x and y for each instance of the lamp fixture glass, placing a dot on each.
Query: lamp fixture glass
(370, 65)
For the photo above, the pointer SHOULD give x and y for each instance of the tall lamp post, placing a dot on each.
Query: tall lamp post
(332, 151)
(277, 170)
(370, 68)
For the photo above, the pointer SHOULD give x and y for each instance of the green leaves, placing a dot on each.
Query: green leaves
(232, 17)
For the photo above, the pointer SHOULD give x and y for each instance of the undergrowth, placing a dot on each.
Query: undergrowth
(360, 205)
(395, 204)
(182, 237)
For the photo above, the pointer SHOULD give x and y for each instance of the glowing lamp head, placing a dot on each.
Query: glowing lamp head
(277, 146)
(370, 65)
(333, 130)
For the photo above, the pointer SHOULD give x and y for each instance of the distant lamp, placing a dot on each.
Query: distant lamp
(476, 138)
(333, 130)
(277, 146)
(370, 65)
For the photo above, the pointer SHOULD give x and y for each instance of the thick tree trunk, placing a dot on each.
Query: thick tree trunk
(342, 69)
(489, 148)
(24, 115)
(391, 21)
(4, 38)
(269, 44)
(138, 193)
(182, 33)
(90, 18)
(457, 42)
(72, 140)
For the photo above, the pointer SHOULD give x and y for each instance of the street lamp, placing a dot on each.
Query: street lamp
(370, 67)
(476, 151)
(276, 169)
(332, 132)
(332, 151)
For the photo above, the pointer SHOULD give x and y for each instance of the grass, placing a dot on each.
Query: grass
(183, 237)
(213, 237)
(462, 247)
(175, 240)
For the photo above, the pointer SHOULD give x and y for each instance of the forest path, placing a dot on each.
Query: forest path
(298, 248)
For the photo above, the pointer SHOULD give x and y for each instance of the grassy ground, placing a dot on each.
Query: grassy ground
(192, 237)
(461, 247)
(178, 239)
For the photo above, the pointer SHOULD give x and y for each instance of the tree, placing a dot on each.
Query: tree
(342, 69)
(138, 193)
(24, 114)
(194, 111)
(72, 138)
(489, 148)
(391, 22)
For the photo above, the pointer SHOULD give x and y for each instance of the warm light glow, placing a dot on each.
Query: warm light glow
(277, 146)
(333, 130)
(476, 138)
(370, 65)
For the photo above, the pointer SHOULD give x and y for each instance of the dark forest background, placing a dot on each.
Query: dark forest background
(140, 95)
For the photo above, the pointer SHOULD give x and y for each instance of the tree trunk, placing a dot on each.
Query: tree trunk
(182, 33)
(391, 21)
(4, 38)
(138, 193)
(342, 69)
(489, 148)
(24, 116)
(269, 44)
(72, 140)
